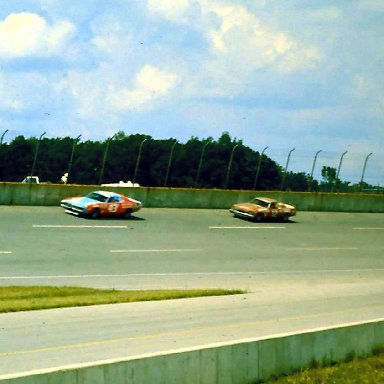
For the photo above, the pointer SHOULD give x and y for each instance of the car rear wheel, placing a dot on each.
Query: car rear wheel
(258, 217)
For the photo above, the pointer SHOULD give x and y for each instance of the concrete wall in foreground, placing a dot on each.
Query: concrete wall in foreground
(242, 362)
(52, 194)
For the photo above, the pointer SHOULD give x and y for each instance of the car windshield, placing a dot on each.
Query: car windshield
(97, 196)
(260, 202)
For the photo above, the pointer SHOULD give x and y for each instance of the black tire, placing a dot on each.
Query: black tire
(259, 217)
(285, 218)
(127, 214)
(95, 214)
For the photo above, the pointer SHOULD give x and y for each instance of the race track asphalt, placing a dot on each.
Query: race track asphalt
(320, 269)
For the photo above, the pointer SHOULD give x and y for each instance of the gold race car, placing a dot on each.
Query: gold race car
(261, 208)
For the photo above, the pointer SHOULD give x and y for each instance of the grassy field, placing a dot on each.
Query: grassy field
(369, 370)
(14, 299)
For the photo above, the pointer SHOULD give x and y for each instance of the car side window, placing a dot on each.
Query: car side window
(115, 199)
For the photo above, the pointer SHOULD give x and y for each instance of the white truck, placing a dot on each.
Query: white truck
(31, 180)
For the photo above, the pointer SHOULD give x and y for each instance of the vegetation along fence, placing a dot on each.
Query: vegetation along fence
(207, 163)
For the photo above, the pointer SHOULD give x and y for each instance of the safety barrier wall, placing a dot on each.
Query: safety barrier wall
(52, 194)
(246, 361)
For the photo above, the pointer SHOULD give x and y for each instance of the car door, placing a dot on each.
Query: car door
(274, 211)
(112, 206)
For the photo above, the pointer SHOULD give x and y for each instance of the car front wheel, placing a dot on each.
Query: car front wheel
(95, 214)
(127, 214)
(286, 217)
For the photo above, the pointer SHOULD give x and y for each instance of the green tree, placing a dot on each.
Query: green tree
(328, 174)
(296, 181)
(18, 159)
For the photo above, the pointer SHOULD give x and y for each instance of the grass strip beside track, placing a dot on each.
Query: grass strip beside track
(25, 298)
(368, 370)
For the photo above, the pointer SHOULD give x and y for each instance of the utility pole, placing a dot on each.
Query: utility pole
(138, 161)
(286, 167)
(365, 166)
(338, 170)
(258, 168)
(71, 158)
(169, 164)
(200, 164)
(36, 152)
(313, 168)
(230, 166)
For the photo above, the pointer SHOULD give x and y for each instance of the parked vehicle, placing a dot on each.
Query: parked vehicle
(31, 180)
(101, 203)
(261, 208)
(121, 183)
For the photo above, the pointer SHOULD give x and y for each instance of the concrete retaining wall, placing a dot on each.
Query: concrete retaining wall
(245, 361)
(52, 194)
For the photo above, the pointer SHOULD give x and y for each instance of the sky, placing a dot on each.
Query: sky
(294, 76)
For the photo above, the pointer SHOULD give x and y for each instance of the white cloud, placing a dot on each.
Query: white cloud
(86, 89)
(326, 14)
(170, 9)
(112, 36)
(10, 103)
(23, 91)
(99, 93)
(28, 34)
(108, 44)
(371, 5)
(239, 44)
(243, 37)
(7, 100)
(150, 84)
(237, 35)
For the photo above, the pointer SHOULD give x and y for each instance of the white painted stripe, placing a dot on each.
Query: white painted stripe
(5, 252)
(153, 250)
(294, 272)
(80, 226)
(369, 228)
(253, 227)
(323, 249)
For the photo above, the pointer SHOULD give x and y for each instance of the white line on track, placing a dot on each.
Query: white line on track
(369, 228)
(323, 249)
(80, 226)
(5, 252)
(294, 272)
(153, 250)
(236, 227)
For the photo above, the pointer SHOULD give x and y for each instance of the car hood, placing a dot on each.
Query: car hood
(287, 206)
(247, 207)
(81, 201)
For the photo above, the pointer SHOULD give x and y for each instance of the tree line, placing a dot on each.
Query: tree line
(207, 163)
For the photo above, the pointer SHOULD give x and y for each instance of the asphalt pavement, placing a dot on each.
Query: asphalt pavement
(320, 269)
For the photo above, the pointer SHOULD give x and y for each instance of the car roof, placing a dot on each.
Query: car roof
(267, 199)
(106, 193)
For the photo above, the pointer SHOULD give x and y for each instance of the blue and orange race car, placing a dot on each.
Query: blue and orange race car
(101, 203)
